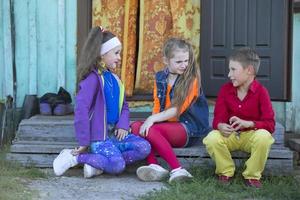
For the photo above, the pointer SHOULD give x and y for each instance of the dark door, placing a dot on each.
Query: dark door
(260, 24)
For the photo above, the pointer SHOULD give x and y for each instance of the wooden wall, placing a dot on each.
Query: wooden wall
(45, 46)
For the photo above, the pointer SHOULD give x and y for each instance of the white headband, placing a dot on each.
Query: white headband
(109, 45)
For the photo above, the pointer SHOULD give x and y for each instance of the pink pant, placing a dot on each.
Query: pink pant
(162, 137)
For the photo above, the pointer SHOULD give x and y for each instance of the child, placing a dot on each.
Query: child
(180, 112)
(101, 113)
(243, 120)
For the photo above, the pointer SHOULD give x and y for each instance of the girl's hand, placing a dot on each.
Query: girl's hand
(225, 129)
(79, 150)
(121, 134)
(146, 126)
(238, 123)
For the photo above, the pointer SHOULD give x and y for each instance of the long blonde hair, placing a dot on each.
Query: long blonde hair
(90, 58)
(185, 81)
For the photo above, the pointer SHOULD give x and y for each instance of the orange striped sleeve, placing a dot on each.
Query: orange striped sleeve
(193, 94)
(156, 103)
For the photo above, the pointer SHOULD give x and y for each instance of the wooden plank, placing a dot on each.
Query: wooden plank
(36, 160)
(40, 149)
(195, 151)
(71, 41)
(295, 75)
(294, 143)
(22, 51)
(274, 166)
(33, 59)
(2, 95)
(36, 142)
(200, 151)
(8, 51)
(61, 47)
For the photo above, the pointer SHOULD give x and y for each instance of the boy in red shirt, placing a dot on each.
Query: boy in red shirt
(243, 120)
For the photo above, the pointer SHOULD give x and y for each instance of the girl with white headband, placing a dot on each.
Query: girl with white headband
(101, 113)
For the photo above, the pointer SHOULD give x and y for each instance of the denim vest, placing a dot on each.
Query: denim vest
(195, 118)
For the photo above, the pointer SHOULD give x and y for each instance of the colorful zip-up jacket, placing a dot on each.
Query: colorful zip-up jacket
(90, 110)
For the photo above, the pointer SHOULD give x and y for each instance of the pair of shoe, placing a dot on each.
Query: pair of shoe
(59, 109)
(255, 183)
(154, 172)
(65, 160)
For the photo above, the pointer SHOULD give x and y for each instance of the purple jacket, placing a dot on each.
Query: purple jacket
(90, 110)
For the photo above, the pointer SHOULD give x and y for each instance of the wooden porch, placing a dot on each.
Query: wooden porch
(40, 138)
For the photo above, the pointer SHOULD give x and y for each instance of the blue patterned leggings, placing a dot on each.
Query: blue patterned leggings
(113, 155)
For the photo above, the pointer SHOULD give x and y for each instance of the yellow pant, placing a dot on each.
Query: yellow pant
(257, 143)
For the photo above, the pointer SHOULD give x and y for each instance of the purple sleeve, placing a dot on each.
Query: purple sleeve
(123, 122)
(84, 100)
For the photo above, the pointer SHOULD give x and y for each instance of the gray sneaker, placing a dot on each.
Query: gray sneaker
(178, 175)
(152, 172)
(89, 171)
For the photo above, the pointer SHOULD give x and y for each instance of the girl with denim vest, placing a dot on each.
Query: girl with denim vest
(180, 112)
(101, 113)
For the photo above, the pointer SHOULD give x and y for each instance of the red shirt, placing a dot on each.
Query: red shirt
(256, 106)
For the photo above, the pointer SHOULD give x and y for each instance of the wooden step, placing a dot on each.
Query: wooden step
(294, 143)
(279, 161)
(61, 128)
(276, 152)
(41, 138)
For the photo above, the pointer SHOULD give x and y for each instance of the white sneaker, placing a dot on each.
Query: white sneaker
(64, 161)
(179, 174)
(152, 172)
(89, 171)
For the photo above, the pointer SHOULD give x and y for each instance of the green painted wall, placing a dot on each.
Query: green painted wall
(293, 108)
(6, 56)
(45, 46)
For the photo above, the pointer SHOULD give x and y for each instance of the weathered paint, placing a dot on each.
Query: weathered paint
(45, 46)
(296, 72)
(288, 113)
(1, 54)
(6, 64)
(293, 108)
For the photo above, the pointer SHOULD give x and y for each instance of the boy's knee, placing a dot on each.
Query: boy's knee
(214, 137)
(263, 136)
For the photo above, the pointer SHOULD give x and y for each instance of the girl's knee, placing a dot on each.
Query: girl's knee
(116, 165)
(135, 127)
(144, 148)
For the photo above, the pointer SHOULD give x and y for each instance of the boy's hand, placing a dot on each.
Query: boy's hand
(121, 133)
(225, 129)
(237, 123)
